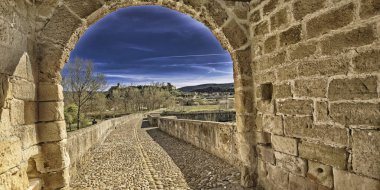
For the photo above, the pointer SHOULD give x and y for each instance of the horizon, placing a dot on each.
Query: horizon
(144, 44)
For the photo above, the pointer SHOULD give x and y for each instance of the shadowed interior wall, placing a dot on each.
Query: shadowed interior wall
(309, 71)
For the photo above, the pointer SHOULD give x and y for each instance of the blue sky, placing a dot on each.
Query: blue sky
(143, 44)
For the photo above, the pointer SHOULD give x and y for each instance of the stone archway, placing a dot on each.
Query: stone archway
(69, 20)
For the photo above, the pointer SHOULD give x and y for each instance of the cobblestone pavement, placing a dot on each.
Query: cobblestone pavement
(141, 157)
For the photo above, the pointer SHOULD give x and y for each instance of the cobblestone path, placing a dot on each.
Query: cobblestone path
(141, 157)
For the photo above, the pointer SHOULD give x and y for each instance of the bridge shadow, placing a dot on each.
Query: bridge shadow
(200, 169)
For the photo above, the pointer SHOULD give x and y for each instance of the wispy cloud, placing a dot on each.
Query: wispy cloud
(183, 56)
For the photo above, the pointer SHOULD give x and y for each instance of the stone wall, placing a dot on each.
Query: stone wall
(215, 138)
(217, 116)
(81, 141)
(316, 67)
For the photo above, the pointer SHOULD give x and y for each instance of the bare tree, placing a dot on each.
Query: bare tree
(82, 83)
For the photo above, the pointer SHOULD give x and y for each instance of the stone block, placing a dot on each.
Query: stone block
(23, 90)
(292, 164)
(285, 145)
(283, 90)
(50, 92)
(235, 34)
(269, 62)
(50, 111)
(279, 19)
(263, 138)
(61, 29)
(273, 124)
(295, 107)
(25, 69)
(265, 77)
(369, 8)
(244, 123)
(291, 36)
(367, 61)
(321, 112)
(303, 127)
(303, 8)
(52, 131)
(358, 37)
(270, 6)
(265, 107)
(344, 180)
(31, 112)
(287, 72)
(355, 113)
(330, 20)
(56, 180)
(301, 183)
(27, 134)
(326, 67)
(366, 152)
(261, 29)
(255, 17)
(302, 50)
(54, 157)
(266, 154)
(336, 157)
(278, 177)
(320, 173)
(355, 88)
(316, 88)
(11, 154)
(83, 8)
(270, 44)
(6, 129)
(217, 12)
(17, 112)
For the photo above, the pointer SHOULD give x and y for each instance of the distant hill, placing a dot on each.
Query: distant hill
(227, 87)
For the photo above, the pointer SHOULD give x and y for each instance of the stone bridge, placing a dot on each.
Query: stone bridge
(307, 86)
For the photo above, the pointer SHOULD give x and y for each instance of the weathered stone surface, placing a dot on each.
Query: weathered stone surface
(56, 180)
(17, 112)
(295, 107)
(291, 36)
(316, 88)
(50, 111)
(278, 177)
(279, 19)
(285, 145)
(11, 153)
(320, 173)
(270, 44)
(5, 124)
(266, 154)
(55, 157)
(83, 8)
(265, 107)
(217, 12)
(367, 61)
(324, 67)
(302, 8)
(261, 29)
(270, 6)
(23, 90)
(31, 113)
(50, 92)
(356, 88)
(263, 138)
(28, 135)
(273, 124)
(52, 131)
(301, 183)
(235, 34)
(293, 164)
(344, 40)
(61, 29)
(283, 91)
(303, 127)
(302, 51)
(255, 16)
(344, 180)
(287, 73)
(366, 152)
(331, 20)
(355, 113)
(369, 8)
(336, 157)
(321, 112)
